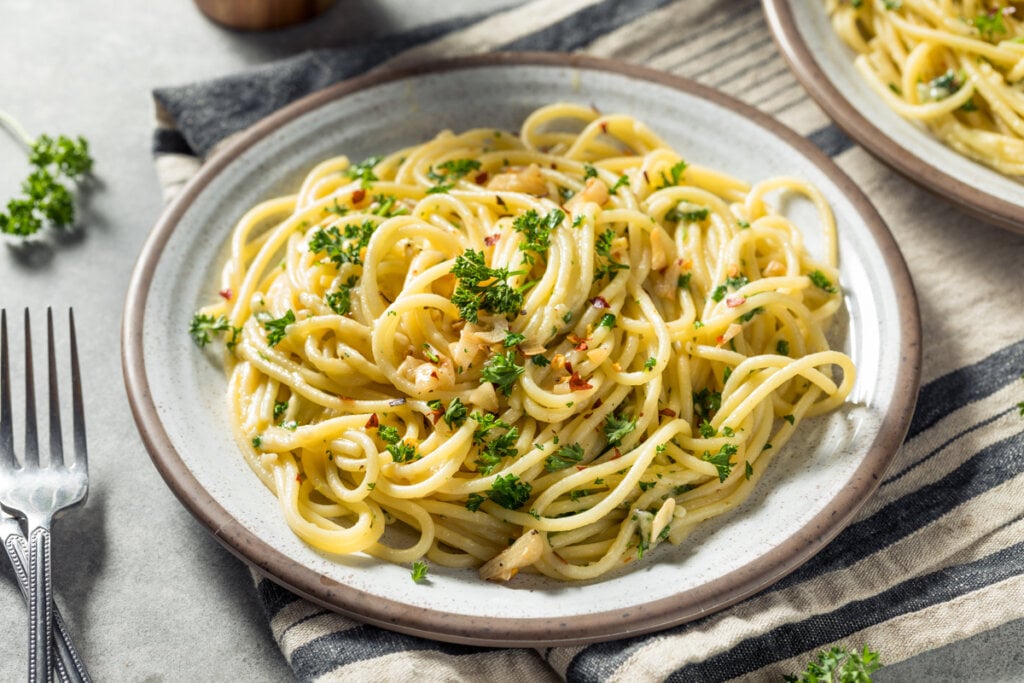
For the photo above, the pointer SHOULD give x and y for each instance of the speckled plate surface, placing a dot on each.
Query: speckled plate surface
(824, 64)
(813, 489)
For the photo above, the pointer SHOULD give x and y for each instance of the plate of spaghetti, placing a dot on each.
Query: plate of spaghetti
(521, 349)
(933, 89)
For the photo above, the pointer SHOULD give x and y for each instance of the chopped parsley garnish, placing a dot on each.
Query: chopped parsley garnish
(497, 449)
(501, 371)
(822, 282)
(509, 492)
(343, 246)
(688, 213)
(616, 428)
(474, 501)
(603, 247)
(650, 363)
(257, 441)
(719, 292)
(746, 317)
(589, 171)
(341, 300)
(540, 361)
(683, 281)
(513, 339)
(419, 570)
(721, 460)
(430, 354)
(202, 325)
(483, 288)
(387, 206)
(400, 450)
(566, 456)
(363, 171)
(279, 408)
(622, 181)
(748, 470)
(646, 485)
(455, 415)
(782, 347)
(537, 231)
(990, 23)
(706, 430)
(706, 403)
(736, 281)
(276, 328)
(789, 418)
(607, 320)
(676, 173)
(445, 174)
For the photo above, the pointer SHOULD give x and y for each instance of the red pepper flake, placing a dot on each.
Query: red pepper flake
(226, 294)
(481, 178)
(618, 454)
(568, 367)
(600, 302)
(577, 383)
(735, 300)
(299, 477)
(581, 467)
(647, 178)
(580, 345)
(604, 126)
(667, 412)
(373, 422)
(358, 195)
(491, 240)
(437, 415)
(597, 404)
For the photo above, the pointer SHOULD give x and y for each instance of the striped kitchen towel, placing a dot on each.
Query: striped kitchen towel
(935, 557)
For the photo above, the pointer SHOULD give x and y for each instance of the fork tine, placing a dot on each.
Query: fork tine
(56, 443)
(31, 436)
(6, 429)
(78, 410)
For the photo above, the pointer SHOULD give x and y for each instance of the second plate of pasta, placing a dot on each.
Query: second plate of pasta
(601, 349)
(932, 89)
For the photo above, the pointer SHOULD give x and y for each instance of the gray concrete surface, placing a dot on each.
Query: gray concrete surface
(148, 593)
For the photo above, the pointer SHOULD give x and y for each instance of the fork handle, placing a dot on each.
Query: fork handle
(69, 665)
(40, 606)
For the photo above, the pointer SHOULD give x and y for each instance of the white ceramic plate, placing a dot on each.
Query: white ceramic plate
(813, 488)
(824, 64)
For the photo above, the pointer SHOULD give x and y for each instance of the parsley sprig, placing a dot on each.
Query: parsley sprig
(502, 371)
(840, 666)
(202, 325)
(536, 231)
(508, 491)
(566, 456)
(46, 198)
(484, 288)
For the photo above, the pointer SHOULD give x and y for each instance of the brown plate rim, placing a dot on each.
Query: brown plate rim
(879, 142)
(506, 632)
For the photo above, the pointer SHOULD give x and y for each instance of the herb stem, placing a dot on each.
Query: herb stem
(16, 130)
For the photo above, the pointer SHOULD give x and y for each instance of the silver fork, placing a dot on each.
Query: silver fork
(36, 492)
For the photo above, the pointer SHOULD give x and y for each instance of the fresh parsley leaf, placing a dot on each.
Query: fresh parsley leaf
(822, 282)
(501, 371)
(650, 363)
(676, 173)
(279, 408)
(474, 501)
(513, 339)
(609, 266)
(540, 361)
(341, 300)
(419, 571)
(721, 460)
(616, 428)
(343, 246)
(782, 347)
(276, 328)
(46, 197)
(566, 456)
(623, 181)
(607, 320)
(536, 231)
(589, 171)
(838, 665)
(202, 325)
(706, 403)
(686, 212)
(509, 492)
(363, 171)
(483, 288)
(455, 415)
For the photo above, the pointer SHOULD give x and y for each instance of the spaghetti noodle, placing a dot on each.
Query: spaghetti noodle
(546, 351)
